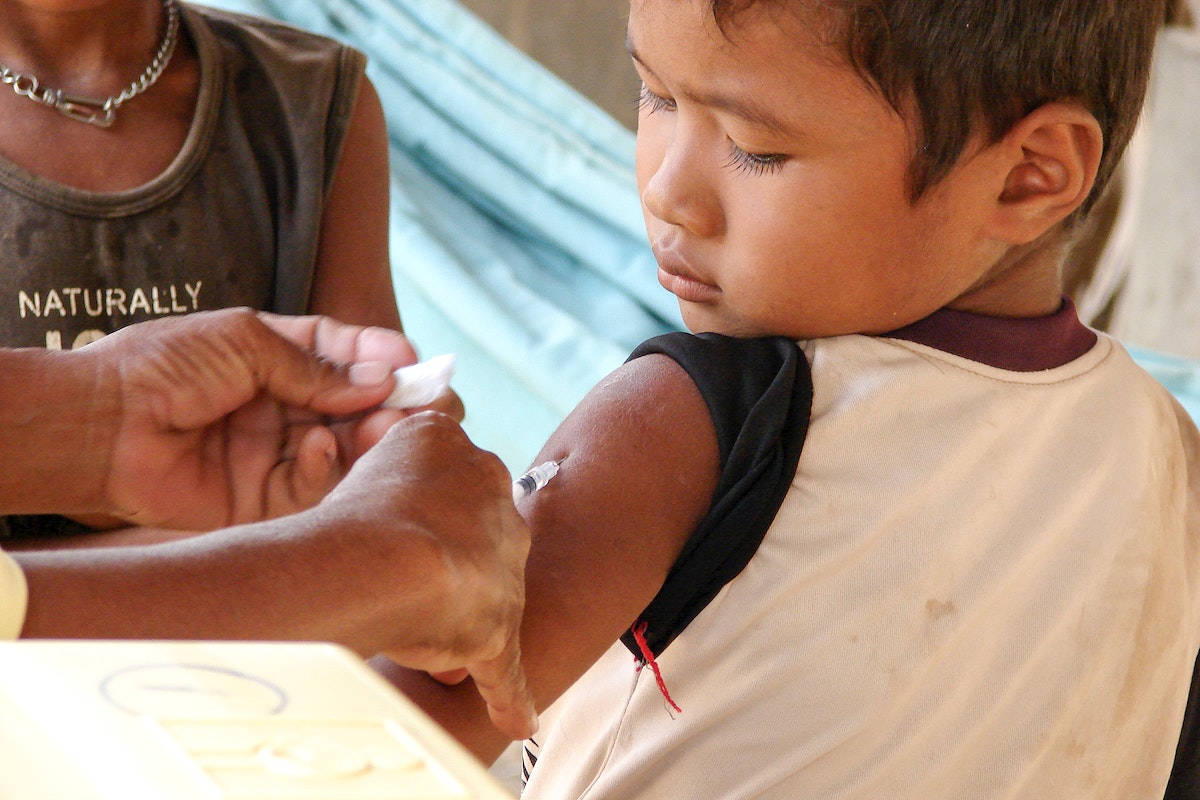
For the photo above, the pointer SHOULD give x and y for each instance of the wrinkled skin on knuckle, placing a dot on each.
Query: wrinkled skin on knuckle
(484, 601)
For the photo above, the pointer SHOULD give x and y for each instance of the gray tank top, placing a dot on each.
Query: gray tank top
(233, 221)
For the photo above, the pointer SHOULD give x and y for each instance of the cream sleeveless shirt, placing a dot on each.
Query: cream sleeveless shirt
(982, 584)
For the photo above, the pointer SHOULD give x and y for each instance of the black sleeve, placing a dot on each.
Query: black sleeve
(759, 392)
(39, 525)
(1185, 776)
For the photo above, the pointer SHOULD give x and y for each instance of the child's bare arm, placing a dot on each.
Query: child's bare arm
(353, 278)
(640, 469)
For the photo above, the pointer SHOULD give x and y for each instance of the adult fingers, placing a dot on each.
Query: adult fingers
(358, 435)
(452, 677)
(450, 404)
(313, 363)
(308, 476)
(501, 683)
(342, 343)
(196, 369)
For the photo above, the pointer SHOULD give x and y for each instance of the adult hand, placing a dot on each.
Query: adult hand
(419, 553)
(222, 417)
(425, 480)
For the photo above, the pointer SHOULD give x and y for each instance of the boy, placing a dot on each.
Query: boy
(979, 578)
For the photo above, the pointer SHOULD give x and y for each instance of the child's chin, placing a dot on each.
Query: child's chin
(698, 321)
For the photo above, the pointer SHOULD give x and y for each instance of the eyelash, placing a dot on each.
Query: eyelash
(650, 102)
(753, 164)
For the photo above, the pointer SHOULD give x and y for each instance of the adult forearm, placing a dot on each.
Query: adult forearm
(57, 425)
(298, 577)
(418, 552)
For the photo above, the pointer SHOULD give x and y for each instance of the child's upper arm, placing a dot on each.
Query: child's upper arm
(352, 280)
(639, 466)
(672, 470)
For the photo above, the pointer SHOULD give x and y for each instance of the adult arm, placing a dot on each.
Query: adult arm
(419, 551)
(353, 278)
(640, 465)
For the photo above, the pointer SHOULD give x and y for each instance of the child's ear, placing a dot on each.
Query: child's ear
(1050, 160)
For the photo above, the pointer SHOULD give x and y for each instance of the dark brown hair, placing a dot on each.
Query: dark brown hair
(959, 64)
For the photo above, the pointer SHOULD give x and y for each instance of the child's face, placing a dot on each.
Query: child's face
(773, 183)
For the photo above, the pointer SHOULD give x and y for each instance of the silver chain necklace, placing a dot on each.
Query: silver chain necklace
(91, 110)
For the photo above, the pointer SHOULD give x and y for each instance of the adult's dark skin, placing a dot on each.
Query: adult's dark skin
(202, 421)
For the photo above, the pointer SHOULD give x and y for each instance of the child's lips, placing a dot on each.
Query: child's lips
(678, 278)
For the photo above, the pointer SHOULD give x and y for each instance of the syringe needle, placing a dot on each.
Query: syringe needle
(534, 479)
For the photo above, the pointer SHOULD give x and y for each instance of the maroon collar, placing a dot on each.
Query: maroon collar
(1019, 344)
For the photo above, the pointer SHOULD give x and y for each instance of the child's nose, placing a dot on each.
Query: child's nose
(678, 191)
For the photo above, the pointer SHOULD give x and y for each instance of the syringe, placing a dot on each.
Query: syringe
(534, 479)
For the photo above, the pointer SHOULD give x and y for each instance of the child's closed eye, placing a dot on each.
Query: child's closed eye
(754, 164)
(739, 160)
(650, 102)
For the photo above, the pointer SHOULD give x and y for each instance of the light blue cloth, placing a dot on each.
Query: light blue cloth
(1180, 375)
(517, 240)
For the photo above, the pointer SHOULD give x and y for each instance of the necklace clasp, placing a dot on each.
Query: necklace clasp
(85, 109)
(100, 113)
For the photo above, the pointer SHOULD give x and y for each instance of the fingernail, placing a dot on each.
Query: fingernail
(369, 373)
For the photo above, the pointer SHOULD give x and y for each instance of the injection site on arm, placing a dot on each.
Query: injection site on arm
(642, 468)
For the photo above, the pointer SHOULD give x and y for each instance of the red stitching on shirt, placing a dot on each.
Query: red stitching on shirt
(639, 635)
